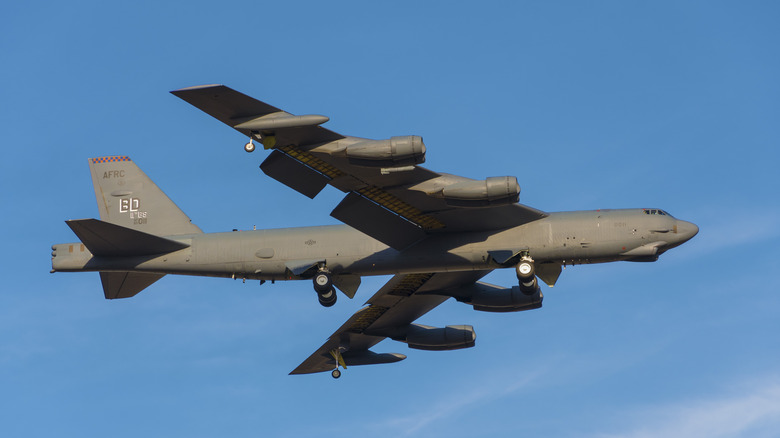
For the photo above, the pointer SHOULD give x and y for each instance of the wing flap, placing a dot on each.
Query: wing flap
(378, 222)
(294, 174)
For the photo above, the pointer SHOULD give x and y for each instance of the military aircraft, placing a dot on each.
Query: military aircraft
(437, 234)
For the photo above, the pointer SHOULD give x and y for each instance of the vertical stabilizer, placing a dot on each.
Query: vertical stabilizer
(127, 197)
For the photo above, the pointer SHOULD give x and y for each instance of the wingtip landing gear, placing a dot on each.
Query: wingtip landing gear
(336, 353)
(249, 147)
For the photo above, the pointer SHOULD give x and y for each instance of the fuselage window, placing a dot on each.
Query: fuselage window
(656, 212)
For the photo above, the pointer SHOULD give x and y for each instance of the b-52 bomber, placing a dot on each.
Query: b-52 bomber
(437, 234)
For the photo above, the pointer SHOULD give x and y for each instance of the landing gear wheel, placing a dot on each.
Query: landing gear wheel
(249, 147)
(526, 274)
(525, 270)
(322, 282)
(335, 373)
(327, 299)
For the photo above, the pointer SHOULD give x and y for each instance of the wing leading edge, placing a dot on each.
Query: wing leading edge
(388, 314)
(398, 205)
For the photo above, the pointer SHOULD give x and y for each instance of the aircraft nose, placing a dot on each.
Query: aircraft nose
(686, 230)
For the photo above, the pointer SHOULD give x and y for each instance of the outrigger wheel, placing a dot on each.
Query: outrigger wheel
(339, 361)
(249, 147)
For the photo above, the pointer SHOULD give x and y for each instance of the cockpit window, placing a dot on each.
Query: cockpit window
(656, 212)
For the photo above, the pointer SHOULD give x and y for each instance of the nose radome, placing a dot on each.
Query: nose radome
(686, 230)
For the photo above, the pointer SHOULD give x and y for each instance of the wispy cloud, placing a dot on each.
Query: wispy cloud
(452, 404)
(731, 232)
(753, 410)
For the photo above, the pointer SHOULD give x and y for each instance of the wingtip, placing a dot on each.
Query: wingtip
(196, 87)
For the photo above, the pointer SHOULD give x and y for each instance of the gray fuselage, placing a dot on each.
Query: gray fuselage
(563, 238)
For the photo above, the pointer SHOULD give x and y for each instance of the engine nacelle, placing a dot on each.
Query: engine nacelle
(507, 300)
(495, 190)
(395, 152)
(491, 298)
(452, 337)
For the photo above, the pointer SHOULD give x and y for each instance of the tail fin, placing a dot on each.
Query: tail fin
(127, 197)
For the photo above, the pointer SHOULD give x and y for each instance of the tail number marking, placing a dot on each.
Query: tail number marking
(132, 206)
(129, 204)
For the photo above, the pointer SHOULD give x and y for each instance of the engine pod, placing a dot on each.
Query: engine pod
(494, 190)
(490, 299)
(395, 152)
(452, 337)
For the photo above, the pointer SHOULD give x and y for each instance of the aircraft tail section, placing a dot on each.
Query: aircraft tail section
(105, 239)
(134, 215)
(128, 198)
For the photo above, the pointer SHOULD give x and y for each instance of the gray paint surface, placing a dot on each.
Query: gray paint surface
(438, 234)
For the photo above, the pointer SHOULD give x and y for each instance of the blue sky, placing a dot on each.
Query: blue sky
(603, 105)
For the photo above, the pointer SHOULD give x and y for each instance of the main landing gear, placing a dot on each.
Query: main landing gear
(526, 274)
(323, 285)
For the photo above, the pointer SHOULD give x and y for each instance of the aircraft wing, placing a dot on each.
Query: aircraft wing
(389, 313)
(388, 197)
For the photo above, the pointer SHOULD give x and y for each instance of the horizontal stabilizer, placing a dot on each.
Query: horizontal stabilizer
(126, 284)
(108, 240)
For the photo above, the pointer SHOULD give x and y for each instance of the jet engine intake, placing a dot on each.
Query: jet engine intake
(495, 190)
(397, 151)
(452, 337)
